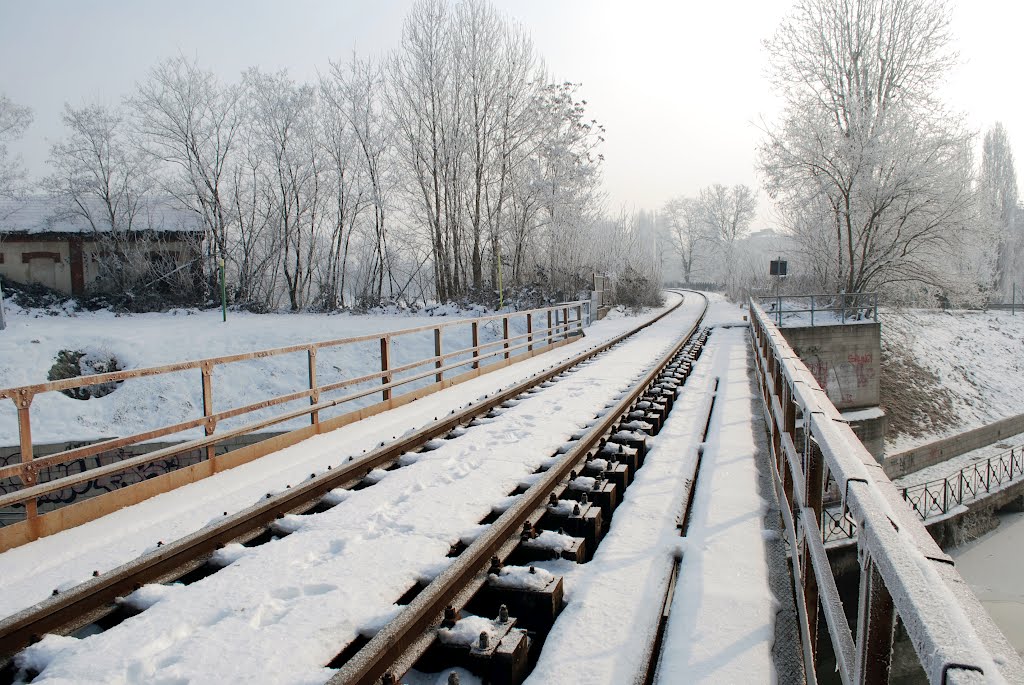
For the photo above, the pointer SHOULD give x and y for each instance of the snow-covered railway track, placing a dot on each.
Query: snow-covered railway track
(496, 646)
(71, 609)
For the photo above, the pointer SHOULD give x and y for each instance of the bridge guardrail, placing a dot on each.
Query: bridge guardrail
(30, 479)
(903, 574)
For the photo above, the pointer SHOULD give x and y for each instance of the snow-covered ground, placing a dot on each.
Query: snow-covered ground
(978, 357)
(282, 610)
(29, 346)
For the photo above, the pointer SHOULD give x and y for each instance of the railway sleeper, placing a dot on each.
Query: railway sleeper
(535, 609)
(500, 658)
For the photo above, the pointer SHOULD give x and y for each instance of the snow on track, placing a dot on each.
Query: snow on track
(604, 635)
(32, 571)
(284, 609)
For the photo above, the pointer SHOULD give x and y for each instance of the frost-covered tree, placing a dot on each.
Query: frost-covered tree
(14, 119)
(727, 214)
(998, 188)
(189, 120)
(687, 231)
(866, 164)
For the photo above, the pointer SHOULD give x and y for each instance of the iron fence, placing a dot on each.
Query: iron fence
(821, 309)
(938, 497)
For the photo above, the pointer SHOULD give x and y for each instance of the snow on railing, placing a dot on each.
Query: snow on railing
(789, 311)
(903, 573)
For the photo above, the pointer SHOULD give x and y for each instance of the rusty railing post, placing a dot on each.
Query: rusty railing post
(551, 329)
(28, 469)
(385, 365)
(876, 623)
(813, 495)
(439, 362)
(565, 323)
(504, 333)
(211, 424)
(476, 344)
(314, 396)
(529, 332)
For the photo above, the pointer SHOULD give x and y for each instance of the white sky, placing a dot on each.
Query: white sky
(680, 85)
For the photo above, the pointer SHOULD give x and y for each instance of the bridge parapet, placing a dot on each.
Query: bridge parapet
(904, 574)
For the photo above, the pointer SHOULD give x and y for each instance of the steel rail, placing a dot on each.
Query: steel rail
(67, 611)
(391, 643)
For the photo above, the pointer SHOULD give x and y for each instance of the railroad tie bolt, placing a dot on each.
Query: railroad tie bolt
(279, 516)
(576, 510)
(484, 641)
(95, 574)
(503, 614)
(159, 543)
(388, 679)
(495, 565)
(450, 617)
(533, 569)
(453, 678)
(572, 475)
(583, 498)
(553, 499)
(55, 592)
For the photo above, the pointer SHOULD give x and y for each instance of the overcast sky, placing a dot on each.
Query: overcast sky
(679, 85)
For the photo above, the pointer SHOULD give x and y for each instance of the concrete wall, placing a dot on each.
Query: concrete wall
(845, 360)
(908, 461)
(38, 269)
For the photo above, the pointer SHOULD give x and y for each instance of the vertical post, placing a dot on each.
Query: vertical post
(210, 424)
(565, 323)
(385, 364)
(314, 395)
(504, 333)
(1013, 305)
(778, 308)
(476, 344)
(28, 469)
(875, 303)
(223, 293)
(529, 332)
(876, 621)
(814, 485)
(579, 316)
(812, 310)
(3, 322)
(439, 376)
(843, 306)
(551, 331)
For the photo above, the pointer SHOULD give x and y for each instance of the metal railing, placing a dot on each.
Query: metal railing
(800, 310)
(903, 572)
(32, 478)
(938, 497)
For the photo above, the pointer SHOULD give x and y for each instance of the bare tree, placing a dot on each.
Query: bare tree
(105, 180)
(686, 229)
(864, 143)
(14, 119)
(190, 121)
(727, 214)
(998, 187)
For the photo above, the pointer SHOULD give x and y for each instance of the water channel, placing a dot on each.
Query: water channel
(991, 565)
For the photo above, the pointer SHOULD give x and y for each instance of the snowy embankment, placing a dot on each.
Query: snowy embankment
(29, 347)
(947, 372)
(284, 609)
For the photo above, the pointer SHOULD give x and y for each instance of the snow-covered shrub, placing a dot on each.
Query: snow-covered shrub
(75, 363)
